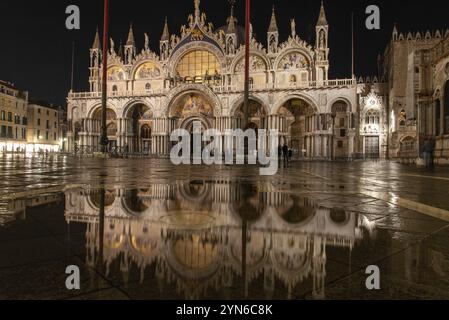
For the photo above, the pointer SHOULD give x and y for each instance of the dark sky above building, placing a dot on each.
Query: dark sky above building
(36, 48)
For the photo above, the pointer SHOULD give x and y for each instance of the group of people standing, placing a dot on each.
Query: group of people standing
(286, 153)
(428, 152)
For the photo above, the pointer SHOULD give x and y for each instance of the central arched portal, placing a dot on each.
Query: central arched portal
(190, 108)
(299, 125)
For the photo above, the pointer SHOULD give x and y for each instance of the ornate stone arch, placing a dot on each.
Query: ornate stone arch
(342, 99)
(136, 67)
(253, 52)
(115, 65)
(193, 88)
(180, 52)
(280, 102)
(288, 51)
(129, 105)
(240, 100)
(92, 109)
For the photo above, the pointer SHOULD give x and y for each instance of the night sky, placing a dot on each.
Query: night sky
(36, 48)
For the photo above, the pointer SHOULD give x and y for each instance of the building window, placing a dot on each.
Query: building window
(39, 111)
(46, 136)
(9, 117)
(148, 87)
(114, 88)
(198, 63)
(340, 144)
(54, 136)
(24, 121)
(38, 122)
(39, 135)
(3, 116)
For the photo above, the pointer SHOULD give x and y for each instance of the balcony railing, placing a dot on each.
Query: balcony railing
(223, 88)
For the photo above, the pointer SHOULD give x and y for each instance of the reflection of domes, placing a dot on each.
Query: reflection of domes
(134, 203)
(338, 216)
(296, 210)
(192, 253)
(109, 199)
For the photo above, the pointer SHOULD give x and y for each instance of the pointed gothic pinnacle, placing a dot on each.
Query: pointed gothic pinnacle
(231, 21)
(96, 44)
(130, 41)
(322, 21)
(165, 34)
(273, 23)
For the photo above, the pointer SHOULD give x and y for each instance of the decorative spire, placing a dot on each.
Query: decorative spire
(165, 34)
(197, 10)
(273, 24)
(130, 41)
(120, 50)
(231, 20)
(96, 44)
(322, 21)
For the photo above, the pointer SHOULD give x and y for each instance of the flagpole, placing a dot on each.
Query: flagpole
(352, 41)
(104, 138)
(247, 45)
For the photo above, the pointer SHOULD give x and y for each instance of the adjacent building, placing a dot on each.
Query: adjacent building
(43, 127)
(13, 118)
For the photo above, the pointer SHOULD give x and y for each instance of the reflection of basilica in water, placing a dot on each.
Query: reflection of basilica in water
(202, 236)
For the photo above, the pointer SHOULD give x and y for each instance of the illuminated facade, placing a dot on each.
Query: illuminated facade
(198, 75)
(13, 118)
(416, 67)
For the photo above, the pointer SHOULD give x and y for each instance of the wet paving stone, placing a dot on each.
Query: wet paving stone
(145, 229)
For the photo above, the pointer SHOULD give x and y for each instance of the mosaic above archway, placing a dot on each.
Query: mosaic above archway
(192, 105)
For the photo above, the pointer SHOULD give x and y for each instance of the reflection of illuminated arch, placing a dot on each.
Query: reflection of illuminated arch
(193, 268)
(195, 192)
(339, 216)
(93, 200)
(297, 212)
(132, 204)
(292, 267)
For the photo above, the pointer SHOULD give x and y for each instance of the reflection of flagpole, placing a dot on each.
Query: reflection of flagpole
(104, 138)
(247, 44)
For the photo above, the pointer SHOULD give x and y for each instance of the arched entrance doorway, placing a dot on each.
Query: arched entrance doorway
(140, 117)
(299, 117)
(190, 108)
(257, 119)
(111, 127)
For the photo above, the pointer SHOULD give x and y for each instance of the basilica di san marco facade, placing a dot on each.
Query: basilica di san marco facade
(198, 75)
